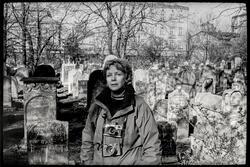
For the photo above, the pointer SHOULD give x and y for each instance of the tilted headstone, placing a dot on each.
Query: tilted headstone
(178, 111)
(219, 124)
(7, 91)
(45, 137)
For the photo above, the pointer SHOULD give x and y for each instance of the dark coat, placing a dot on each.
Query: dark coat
(141, 144)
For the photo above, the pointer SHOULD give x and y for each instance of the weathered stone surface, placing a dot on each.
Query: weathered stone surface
(208, 100)
(167, 136)
(65, 73)
(40, 101)
(48, 142)
(21, 73)
(141, 80)
(178, 111)
(7, 91)
(76, 77)
(82, 88)
(14, 88)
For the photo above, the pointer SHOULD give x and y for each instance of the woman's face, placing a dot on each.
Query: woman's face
(115, 78)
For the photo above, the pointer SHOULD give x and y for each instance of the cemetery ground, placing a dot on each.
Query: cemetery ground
(13, 133)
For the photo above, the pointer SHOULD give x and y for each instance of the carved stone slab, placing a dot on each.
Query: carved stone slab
(48, 143)
(6, 91)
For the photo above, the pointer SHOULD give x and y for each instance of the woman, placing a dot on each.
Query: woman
(120, 128)
(96, 82)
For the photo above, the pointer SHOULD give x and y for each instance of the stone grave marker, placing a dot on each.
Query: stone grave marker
(75, 85)
(178, 111)
(167, 129)
(238, 61)
(21, 73)
(45, 137)
(6, 91)
(82, 87)
(65, 73)
(141, 82)
(14, 87)
(48, 143)
(234, 104)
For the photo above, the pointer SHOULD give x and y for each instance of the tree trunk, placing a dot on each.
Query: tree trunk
(31, 52)
(5, 38)
(110, 28)
(24, 34)
(119, 41)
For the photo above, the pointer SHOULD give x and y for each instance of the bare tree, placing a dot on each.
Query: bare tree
(31, 18)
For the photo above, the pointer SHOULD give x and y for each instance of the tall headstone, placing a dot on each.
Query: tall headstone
(65, 73)
(82, 87)
(45, 137)
(75, 86)
(21, 73)
(141, 80)
(14, 87)
(178, 111)
(234, 104)
(167, 129)
(238, 61)
(7, 91)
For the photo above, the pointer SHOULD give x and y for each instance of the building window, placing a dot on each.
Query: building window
(180, 31)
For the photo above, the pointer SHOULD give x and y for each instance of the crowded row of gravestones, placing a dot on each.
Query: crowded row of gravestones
(186, 118)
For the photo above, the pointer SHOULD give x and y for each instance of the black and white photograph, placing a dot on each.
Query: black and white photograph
(124, 83)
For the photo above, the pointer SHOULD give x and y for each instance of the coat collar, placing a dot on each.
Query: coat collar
(102, 101)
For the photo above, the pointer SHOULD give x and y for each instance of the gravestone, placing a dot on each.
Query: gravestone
(21, 73)
(45, 137)
(209, 100)
(14, 87)
(157, 86)
(71, 82)
(82, 87)
(234, 104)
(7, 91)
(238, 61)
(75, 86)
(178, 111)
(48, 143)
(167, 129)
(170, 83)
(141, 80)
(65, 73)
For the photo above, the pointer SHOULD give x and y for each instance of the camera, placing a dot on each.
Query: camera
(112, 140)
(113, 130)
(112, 150)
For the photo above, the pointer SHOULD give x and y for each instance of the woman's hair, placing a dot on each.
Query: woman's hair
(121, 65)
